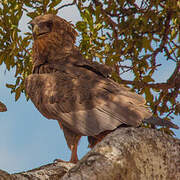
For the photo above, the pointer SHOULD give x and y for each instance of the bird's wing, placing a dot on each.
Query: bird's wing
(100, 69)
(84, 101)
(77, 59)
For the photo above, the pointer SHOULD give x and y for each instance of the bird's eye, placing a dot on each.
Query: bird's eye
(49, 24)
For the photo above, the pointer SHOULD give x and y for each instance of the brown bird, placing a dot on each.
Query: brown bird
(76, 92)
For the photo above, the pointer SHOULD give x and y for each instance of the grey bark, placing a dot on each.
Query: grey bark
(125, 154)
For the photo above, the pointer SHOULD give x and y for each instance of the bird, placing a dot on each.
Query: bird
(76, 92)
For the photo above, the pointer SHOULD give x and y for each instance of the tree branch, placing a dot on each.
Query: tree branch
(175, 77)
(152, 85)
(130, 153)
(126, 153)
(20, 46)
(164, 39)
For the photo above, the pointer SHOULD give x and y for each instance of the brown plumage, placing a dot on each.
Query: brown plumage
(76, 92)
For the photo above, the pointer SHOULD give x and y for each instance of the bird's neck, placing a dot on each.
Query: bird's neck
(51, 49)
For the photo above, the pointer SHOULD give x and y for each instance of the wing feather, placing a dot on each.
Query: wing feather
(85, 102)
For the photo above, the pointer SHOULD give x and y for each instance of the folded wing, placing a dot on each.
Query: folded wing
(84, 101)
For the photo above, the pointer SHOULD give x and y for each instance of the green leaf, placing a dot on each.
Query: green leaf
(10, 86)
(148, 95)
(81, 26)
(148, 79)
(88, 18)
(98, 26)
(147, 45)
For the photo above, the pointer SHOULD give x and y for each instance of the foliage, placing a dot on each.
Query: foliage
(128, 35)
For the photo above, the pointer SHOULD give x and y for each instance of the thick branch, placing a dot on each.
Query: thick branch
(127, 153)
(152, 85)
(50, 171)
(131, 153)
(172, 82)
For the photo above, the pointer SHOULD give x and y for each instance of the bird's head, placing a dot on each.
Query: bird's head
(45, 25)
(52, 36)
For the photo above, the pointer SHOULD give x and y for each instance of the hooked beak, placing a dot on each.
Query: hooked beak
(35, 30)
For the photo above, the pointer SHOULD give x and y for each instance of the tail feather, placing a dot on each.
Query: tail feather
(160, 122)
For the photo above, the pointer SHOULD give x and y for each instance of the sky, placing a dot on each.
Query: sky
(27, 139)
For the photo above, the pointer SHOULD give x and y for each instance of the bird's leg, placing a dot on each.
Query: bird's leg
(74, 157)
(93, 140)
(72, 140)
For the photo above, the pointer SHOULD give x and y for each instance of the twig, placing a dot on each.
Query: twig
(175, 76)
(108, 19)
(168, 54)
(23, 48)
(175, 44)
(66, 5)
(161, 96)
(123, 66)
(142, 3)
(173, 51)
(164, 39)
(125, 71)
(172, 82)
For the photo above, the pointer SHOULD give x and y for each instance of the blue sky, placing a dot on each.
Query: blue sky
(27, 139)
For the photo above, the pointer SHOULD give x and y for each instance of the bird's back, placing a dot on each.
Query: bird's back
(83, 98)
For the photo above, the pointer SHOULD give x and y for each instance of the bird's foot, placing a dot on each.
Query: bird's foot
(60, 160)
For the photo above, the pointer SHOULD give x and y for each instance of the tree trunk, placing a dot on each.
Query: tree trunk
(125, 154)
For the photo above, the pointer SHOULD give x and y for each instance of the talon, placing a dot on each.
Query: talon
(60, 160)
